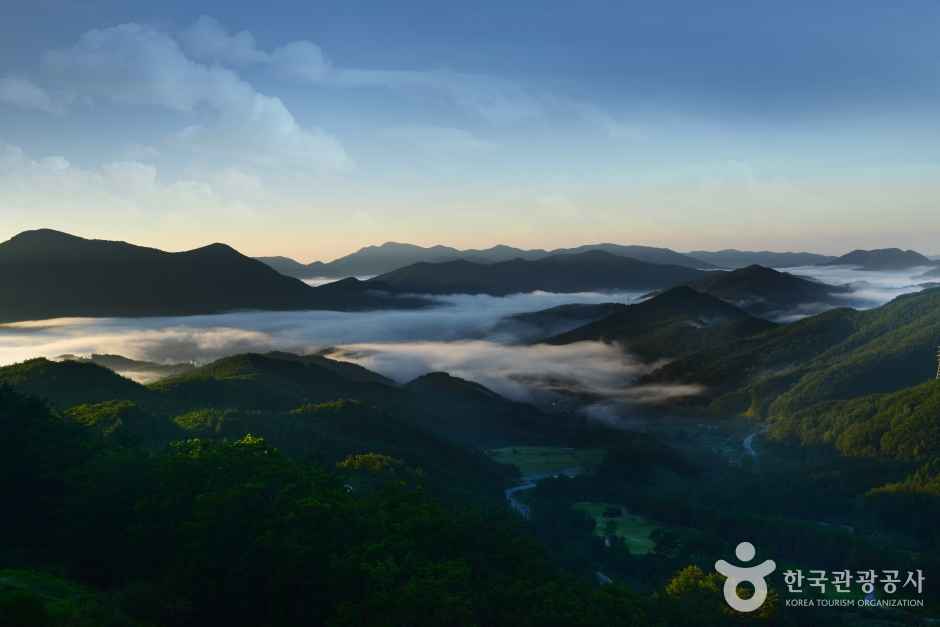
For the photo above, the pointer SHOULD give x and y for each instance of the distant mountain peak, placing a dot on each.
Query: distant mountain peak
(883, 259)
(735, 258)
(217, 251)
(765, 291)
(45, 234)
(567, 272)
(446, 382)
(391, 256)
(49, 274)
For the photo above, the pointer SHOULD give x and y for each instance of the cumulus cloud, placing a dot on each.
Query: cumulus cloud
(207, 40)
(300, 60)
(139, 65)
(62, 190)
(494, 99)
(25, 94)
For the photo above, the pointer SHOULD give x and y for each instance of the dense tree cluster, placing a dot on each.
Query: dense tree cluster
(235, 533)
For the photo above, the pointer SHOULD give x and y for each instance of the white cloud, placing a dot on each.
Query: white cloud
(207, 40)
(23, 93)
(300, 60)
(458, 338)
(64, 190)
(138, 65)
(496, 100)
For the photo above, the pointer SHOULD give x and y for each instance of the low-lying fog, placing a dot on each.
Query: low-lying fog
(323, 280)
(870, 288)
(466, 336)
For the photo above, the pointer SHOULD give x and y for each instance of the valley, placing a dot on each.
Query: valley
(628, 430)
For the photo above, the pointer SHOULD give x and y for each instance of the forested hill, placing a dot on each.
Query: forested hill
(679, 321)
(187, 503)
(731, 258)
(391, 256)
(767, 292)
(575, 272)
(902, 425)
(210, 532)
(882, 259)
(838, 355)
(48, 274)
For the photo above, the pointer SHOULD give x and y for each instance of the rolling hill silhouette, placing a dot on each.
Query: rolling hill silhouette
(882, 259)
(676, 322)
(576, 272)
(49, 274)
(390, 256)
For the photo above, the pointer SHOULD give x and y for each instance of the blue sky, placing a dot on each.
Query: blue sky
(313, 128)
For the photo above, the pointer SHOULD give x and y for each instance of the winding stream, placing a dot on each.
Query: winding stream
(530, 481)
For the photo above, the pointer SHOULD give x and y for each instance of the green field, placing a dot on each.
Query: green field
(634, 530)
(543, 460)
(60, 601)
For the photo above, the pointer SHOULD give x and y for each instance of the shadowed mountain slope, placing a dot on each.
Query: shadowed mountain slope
(837, 355)
(731, 258)
(882, 259)
(595, 270)
(766, 292)
(676, 322)
(48, 274)
(374, 260)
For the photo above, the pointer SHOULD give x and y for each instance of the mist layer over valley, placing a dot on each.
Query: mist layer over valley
(477, 337)
(469, 336)
(868, 288)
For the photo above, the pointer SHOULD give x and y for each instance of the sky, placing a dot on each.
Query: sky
(312, 128)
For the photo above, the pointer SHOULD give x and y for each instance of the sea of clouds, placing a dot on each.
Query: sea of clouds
(869, 288)
(466, 335)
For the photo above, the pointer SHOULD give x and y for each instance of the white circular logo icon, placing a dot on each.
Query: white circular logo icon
(754, 575)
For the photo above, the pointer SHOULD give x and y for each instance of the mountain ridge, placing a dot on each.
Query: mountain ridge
(390, 256)
(836, 355)
(882, 259)
(566, 273)
(767, 292)
(50, 274)
(678, 321)
(734, 258)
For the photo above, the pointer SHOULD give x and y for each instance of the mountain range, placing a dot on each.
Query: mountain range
(733, 258)
(570, 272)
(48, 274)
(375, 260)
